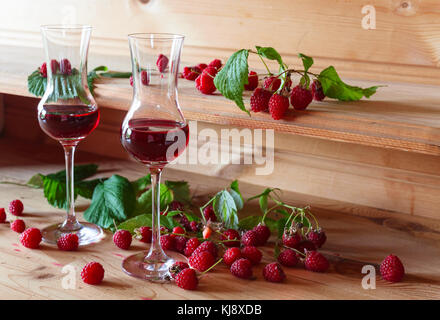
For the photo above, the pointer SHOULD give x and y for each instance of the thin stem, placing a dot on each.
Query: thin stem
(70, 224)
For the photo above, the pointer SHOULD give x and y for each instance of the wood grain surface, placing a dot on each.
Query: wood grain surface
(352, 243)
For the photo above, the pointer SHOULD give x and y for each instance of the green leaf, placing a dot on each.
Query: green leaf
(281, 223)
(136, 222)
(271, 224)
(115, 74)
(180, 191)
(334, 87)
(307, 61)
(144, 202)
(236, 194)
(93, 75)
(232, 77)
(86, 188)
(141, 184)
(36, 83)
(37, 181)
(80, 172)
(55, 192)
(225, 209)
(168, 222)
(271, 54)
(113, 199)
(191, 217)
(249, 222)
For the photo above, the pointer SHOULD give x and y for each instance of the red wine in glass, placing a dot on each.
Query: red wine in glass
(68, 122)
(149, 140)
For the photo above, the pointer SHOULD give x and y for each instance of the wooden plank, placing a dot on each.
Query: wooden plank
(352, 243)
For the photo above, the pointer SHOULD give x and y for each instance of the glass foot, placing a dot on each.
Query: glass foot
(156, 271)
(87, 233)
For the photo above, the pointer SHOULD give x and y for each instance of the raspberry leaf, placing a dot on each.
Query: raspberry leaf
(145, 220)
(36, 181)
(180, 190)
(230, 80)
(225, 209)
(236, 194)
(141, 184)
(271, 54)
(93, 75)
(334, 87)
(191, 216)
(144, 202)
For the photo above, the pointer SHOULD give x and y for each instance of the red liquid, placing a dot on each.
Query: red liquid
(68, 122)
(155, 142)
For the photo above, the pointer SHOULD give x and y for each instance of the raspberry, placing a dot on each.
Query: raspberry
(202, 66)
(131, 81)
(317, 92)
(201, 261)
(231, 234)
(65, 67)
(167, 242)
(18, 226)
(263, 234)
(43, 70)
(16, 207)
(68, 242)
(164, 230)
(145, 234)
(208, 213)
(316, 262)
(242, 268)
(305, 246)
(260, 100)
(194, 226)
(145, 79)
(391, 269)
(252, 253)
(187, 279)
(191, 73)
(54, 66)
(278, 105)
(252, 81)
(291, 239)
(2, 215)
(231, 255)
(207, 246)
(272, 84)
(185, 222)
(318, 237)
(205, 81)
(178, 230)
(216, 63)
(191, 245)
(122, 239)
(288, 258)
(180, 243)
(300, 97)
(177, 267)
(176, 206)
(207, 232)
(162, 62)
(31, 238)
(273, 272)
(249, 238)
(92, 273)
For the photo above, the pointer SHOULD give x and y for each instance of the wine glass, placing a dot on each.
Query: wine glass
(154, 133)
(68, 113)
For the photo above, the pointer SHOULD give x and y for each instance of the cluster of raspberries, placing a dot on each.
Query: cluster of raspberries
(203, 74)
(63, 67)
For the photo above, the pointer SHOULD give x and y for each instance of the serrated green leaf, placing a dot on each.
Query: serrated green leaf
(144, 202)
(249, 222)
(225, 209)
(281, 223)
(115, 74)
(191, 217)
(55, 192)
(93, 75)
(37, 181)
(236, 194)
(271, 54)
(141, 184)
(306, 60)
(80, 172)
(86, 188)
(230, 80)
(136, 222)
(180, 191)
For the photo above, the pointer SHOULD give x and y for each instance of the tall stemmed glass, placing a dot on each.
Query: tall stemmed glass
(68, 113)
(154, 132)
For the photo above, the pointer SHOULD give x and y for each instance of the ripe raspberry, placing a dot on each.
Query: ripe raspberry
(177, 267)
(187, 279)
(318, 237)
(260, 100)
(291, 239)
(273, 272)
(65, 67)
(202, 66)
(191, 73)
(208, 213)
(31, 238)
(242, 268)
(201, 261)
(249, 238)
(180, 243)
(317, 92)
(2, 215)
(252, 253)
(16, 207)
(177, 206)
(194, 226)
(231, 255)
(191, 245)
(252, 81)
(144, 234)
(391, 269)
(122, 239)
(162, 62)
(278, 105)
(305, 246)
(54, 66)
(183, 220)
(167, 242)
(207, 232)
(92, 273)
(43, 70)
(145, 79)
(18, 226)
(178, 230)
(316, 262)
(288, 258)
(231, 234)
(216, 63)
(272, 84)
(207, 246)
(263, 234)
(205, 81)
(131, 81)
(68, 242)
(300, 97)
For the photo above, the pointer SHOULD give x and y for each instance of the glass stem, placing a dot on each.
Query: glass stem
(70, 224)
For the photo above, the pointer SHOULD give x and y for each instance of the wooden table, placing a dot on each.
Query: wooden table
(353, 241)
